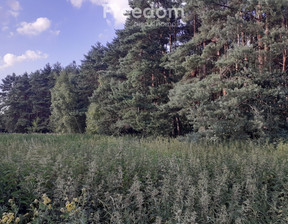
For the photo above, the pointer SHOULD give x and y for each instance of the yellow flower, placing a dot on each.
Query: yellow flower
(46, 199)
(4, 219)
(50, 206)
(70, 206)
(7, 218)
(17, 220)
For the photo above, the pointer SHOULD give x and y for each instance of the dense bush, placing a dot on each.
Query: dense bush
(92, 179)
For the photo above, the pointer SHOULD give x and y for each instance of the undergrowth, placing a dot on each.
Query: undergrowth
(94, 179)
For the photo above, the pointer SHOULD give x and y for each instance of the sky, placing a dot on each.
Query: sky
(34, 33)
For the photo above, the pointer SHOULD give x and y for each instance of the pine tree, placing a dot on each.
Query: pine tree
(103, 110)
(147, 83)
(41, 83)
(66, 114)
(90, 71)
(6, 87)
(219, 73)
(18, 109)
(239, 90)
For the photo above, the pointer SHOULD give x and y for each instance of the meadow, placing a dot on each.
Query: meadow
(96, 179)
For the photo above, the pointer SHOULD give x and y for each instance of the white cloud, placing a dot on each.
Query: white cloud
(35, 28)
(14, 5)
(116, 8)
(5, 15)
(77, 3)
(55, 32)
(10, 9)
(13, 13)
(10, 59)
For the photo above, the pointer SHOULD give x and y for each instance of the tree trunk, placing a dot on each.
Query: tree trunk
(204, 66)
(178, 124)
(170, 38)
(195, 25)
(238, 43)
(243, 38)
(153, 80)
(284, 60)
(259, 38)
(285, 50)
(266, 47)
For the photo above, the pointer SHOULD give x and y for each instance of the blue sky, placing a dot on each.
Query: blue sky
(36, 32)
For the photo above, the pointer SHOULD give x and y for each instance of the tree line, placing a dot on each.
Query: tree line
(218, 73)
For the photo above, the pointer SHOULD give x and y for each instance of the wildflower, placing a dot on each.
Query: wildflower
(46, 199)
(4, 218)
(36, 213)
(76, 199)
(50, 206)
(7, 218)
(70, 206)
(17, 220)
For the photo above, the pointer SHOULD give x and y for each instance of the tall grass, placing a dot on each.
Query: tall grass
(93, 179)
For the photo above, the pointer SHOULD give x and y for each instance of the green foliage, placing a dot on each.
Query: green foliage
(41, 84)
(218, 74)
(252, 107)
(123, 180)
(17, 104)
(66, 116)
(135, 85)
(25, 100)
(234, 75)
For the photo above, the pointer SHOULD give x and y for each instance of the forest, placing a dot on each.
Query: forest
(218, 72)
(185, 119)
